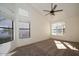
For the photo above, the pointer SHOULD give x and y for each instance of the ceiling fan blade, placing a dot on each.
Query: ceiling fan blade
(58, 10)
(55, 6)
(47, 14)
(46, 10)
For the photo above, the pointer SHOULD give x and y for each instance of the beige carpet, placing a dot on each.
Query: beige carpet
(46, 48)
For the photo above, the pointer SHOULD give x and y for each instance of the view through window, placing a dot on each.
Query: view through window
(6, 30)
(58, 28)
(24, 30)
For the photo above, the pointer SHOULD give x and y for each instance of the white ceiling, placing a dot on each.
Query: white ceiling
(45, 6)
(67, 7)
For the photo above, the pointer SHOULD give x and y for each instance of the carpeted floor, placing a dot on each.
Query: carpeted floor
(46, 48)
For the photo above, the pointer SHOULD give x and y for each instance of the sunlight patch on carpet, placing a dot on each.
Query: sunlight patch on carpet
(59, 45)
(70, 46)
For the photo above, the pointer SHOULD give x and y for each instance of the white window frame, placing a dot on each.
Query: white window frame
(58, 26)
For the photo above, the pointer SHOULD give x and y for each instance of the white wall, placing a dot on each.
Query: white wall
(39, 25)
(69, 15)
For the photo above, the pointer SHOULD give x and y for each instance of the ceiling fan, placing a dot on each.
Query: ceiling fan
(53, 10)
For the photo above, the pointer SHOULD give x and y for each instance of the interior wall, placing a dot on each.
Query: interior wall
(39, 25)
(69, 15)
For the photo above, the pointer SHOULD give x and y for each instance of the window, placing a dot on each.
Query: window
(24, 30)
(6, 30)
(58, 28)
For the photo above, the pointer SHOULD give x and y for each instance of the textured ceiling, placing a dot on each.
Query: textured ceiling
(45, 6)
(68, 8)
